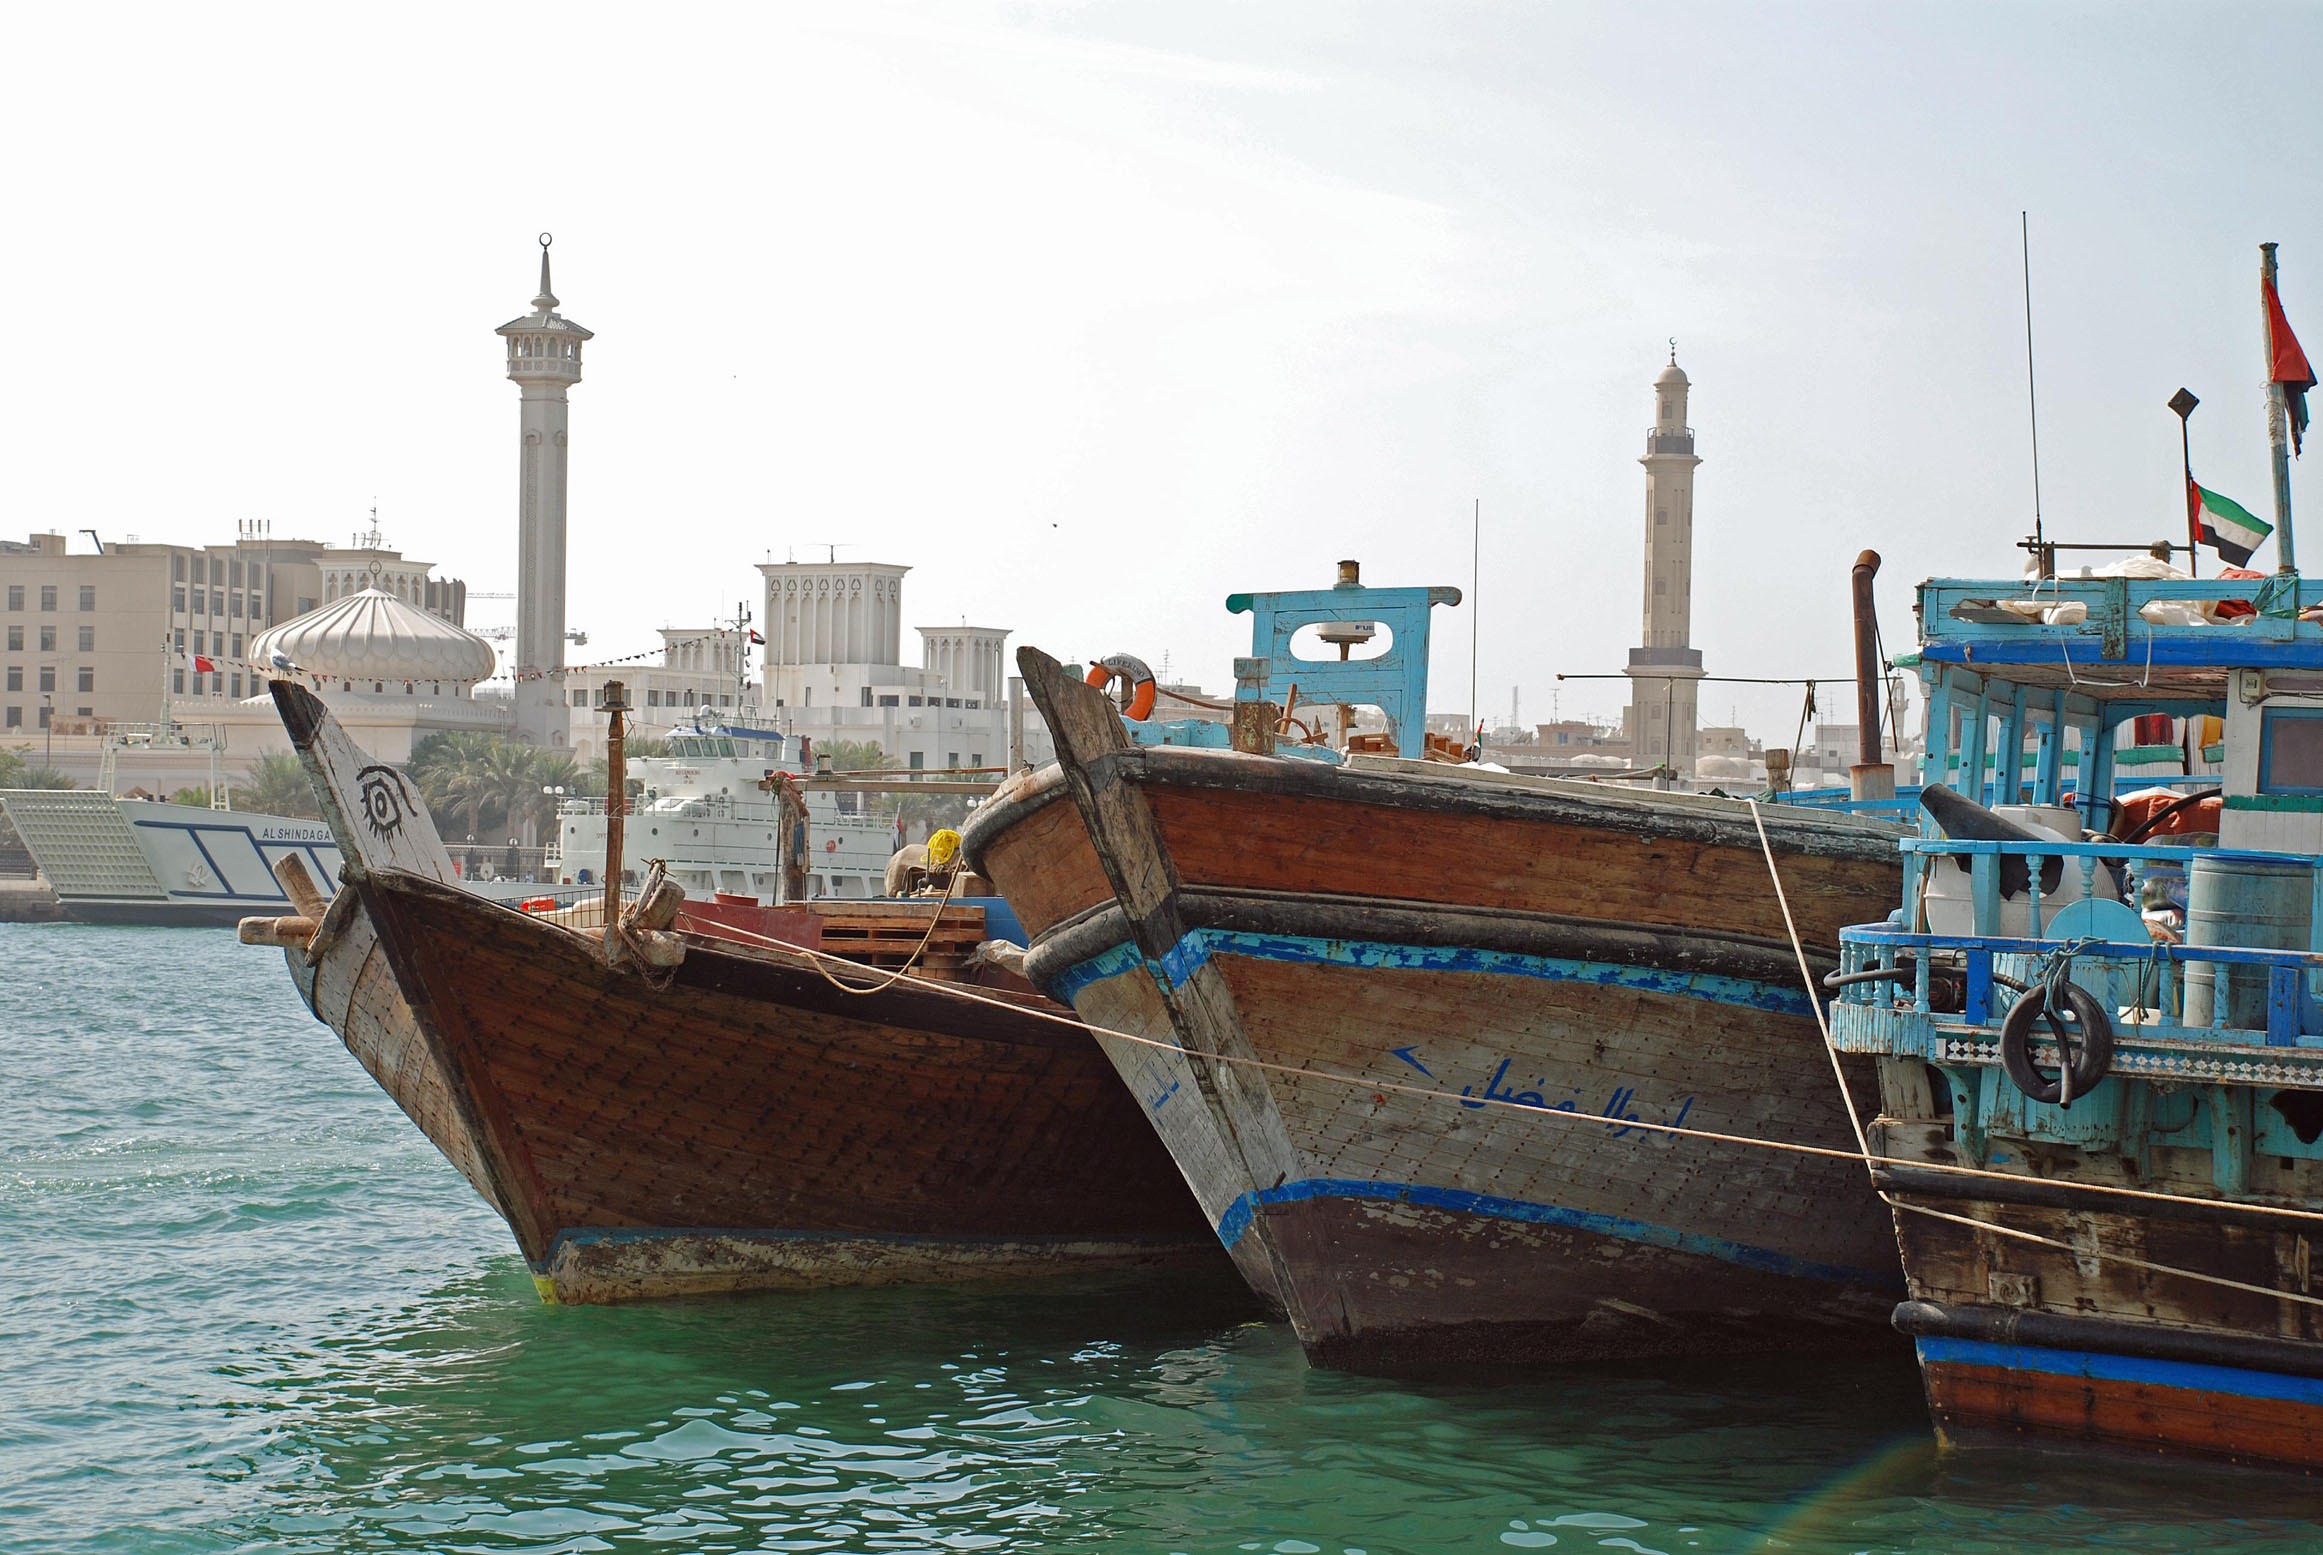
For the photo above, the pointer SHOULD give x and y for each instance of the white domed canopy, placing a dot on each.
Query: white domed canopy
(373, 636)
(1672, 376)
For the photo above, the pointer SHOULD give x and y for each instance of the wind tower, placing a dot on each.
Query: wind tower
(544, 358)
(1666, 673)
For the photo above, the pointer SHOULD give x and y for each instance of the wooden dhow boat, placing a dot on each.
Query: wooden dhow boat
(713, 1111)
(2101, 1061)
(1400, 1020)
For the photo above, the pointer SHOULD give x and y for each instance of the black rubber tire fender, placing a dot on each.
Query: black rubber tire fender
(2092, 1051)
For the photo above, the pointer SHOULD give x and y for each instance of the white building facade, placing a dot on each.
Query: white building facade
(834, 670)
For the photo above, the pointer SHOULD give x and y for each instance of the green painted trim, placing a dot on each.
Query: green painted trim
(2289, 804)
(2149, 753)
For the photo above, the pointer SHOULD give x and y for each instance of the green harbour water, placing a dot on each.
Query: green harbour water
(245, 1306)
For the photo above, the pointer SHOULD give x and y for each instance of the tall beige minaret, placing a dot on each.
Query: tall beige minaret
(544, 358)
(1665, 674)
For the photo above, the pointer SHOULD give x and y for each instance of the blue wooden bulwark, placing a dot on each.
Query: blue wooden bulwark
(1395, 682)
(1963, 622)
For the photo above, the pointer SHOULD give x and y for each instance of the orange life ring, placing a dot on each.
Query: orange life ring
(831, 846)
(1136, 680)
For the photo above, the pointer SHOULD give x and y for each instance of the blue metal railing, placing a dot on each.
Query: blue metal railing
(1868, 948)
(2081, 866)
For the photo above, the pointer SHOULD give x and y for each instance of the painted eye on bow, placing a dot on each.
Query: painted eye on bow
(380, 790)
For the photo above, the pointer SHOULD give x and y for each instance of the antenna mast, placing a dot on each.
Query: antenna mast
(2032, 399)
(1475, 597)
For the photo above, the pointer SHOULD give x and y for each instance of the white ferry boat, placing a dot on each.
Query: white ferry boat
(121, 860)
(704, 814)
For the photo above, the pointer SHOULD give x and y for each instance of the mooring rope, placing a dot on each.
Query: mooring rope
(1861, 1154)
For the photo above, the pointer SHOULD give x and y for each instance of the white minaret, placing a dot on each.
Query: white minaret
(544, 357)
(1666, 672)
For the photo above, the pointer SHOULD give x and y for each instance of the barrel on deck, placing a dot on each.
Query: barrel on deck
(2233, 899)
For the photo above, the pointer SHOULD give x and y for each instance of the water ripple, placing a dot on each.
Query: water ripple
(245, 1307)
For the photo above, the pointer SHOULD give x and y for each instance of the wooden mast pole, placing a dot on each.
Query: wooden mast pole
(616, 703)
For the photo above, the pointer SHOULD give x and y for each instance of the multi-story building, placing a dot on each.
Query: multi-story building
(703, 674)
(102, 635)
(835, 671)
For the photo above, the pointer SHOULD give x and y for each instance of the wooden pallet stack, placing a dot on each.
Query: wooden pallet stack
(883, 934)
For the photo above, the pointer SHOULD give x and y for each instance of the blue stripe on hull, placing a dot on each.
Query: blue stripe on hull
(1187, 956)
(1237, 1218)
(2188, 1375)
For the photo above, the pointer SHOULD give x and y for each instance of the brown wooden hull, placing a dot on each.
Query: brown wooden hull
(748, 1126)
(1586, 956)
(2078, 1344)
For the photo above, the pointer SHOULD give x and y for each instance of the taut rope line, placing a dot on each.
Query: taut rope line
(1358, 1082)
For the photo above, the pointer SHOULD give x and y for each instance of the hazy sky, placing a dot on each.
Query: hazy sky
(1095, 313)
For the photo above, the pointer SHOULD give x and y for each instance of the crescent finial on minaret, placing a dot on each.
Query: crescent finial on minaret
(1673, 338)
(547, 300)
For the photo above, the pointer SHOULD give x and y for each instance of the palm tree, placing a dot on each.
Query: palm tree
(855, 756)
(542, 770)
(276, 784)
(453, 771)
(17, 771)
(859, 756)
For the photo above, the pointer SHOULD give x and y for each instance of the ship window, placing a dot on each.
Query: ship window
(2290, 751)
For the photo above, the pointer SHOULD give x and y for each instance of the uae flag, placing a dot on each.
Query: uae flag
(2287, 365)
(2225, 525)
